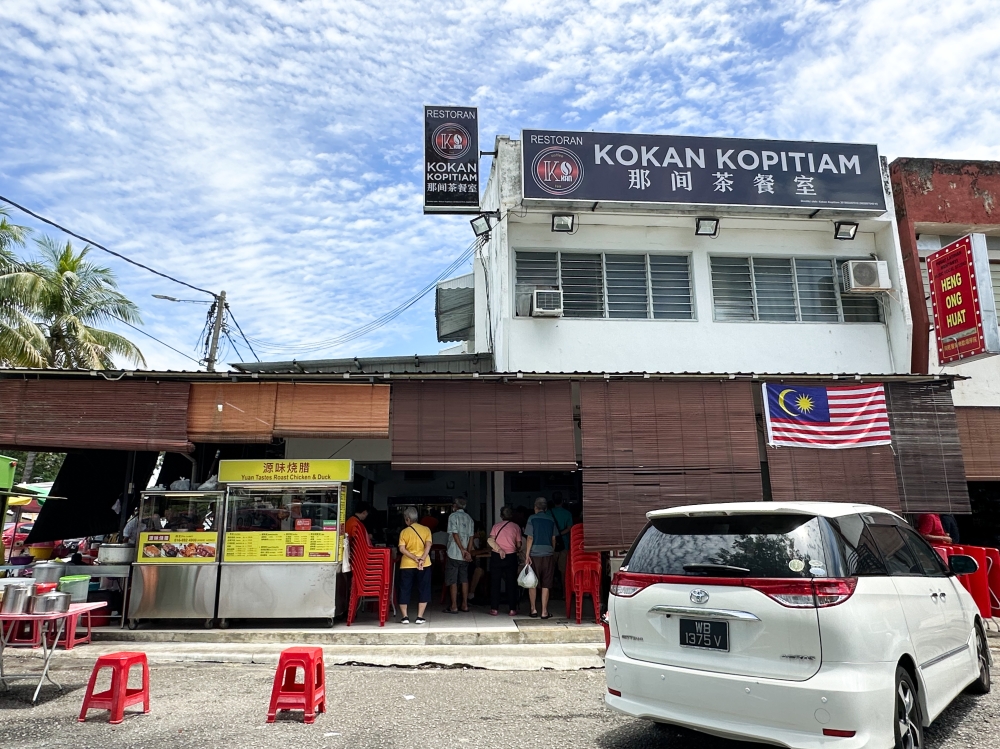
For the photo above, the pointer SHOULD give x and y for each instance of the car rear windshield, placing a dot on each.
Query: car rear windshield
(734, 546)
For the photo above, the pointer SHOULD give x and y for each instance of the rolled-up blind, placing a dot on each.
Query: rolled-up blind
(979, 433)
(332, 411)
(232, 412)
(94, 414)
(490, 426)
(649, 445)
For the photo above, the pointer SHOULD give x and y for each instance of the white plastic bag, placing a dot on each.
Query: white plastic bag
(527, 578)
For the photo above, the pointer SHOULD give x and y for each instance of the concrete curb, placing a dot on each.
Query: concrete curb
(563, 657)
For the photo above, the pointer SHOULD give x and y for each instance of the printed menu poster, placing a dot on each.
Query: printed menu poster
(171, 547)
(281, 546)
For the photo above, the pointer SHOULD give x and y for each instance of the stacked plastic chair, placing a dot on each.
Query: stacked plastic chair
(371, 575)
(583, 575)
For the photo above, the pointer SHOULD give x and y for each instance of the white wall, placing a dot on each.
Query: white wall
(699, 345)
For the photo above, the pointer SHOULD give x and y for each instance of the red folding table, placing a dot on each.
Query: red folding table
(55, 619)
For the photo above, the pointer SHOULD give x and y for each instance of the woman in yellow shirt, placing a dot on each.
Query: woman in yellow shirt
(414, 565)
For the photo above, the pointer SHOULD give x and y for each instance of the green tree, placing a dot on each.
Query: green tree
(69, 297)
(21, 340)
(33, 467)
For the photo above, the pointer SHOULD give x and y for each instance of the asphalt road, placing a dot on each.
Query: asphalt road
(203, 706)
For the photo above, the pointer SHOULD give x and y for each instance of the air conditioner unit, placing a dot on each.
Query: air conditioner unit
(546, 303)
(865, 276)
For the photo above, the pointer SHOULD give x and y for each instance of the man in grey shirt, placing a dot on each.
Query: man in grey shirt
(541, 534)
(456, 571)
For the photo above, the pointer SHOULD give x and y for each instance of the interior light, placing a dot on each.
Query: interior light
(563, 222)
(706, 227)
(481, 225)
(845, 230)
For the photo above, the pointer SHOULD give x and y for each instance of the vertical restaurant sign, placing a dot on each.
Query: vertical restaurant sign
(451, 160)
(965, 315)
(626, 168)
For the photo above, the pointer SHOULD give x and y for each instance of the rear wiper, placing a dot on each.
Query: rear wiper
(707, 569)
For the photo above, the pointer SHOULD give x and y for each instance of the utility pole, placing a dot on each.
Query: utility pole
(220, 312)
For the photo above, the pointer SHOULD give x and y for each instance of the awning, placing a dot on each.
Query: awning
(979, 433)
(650, 445)
(930, 470)
(860, 474)
(328, 411)
(73, 414)
(521, 425)
(85, 491)
(232, 412)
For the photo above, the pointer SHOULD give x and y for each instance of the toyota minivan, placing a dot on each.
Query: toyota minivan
(799, 624)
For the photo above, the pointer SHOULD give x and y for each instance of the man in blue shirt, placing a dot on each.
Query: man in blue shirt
(564, 522)
(538, 553)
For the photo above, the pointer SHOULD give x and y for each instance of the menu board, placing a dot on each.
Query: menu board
(178, 547)
(282, 546)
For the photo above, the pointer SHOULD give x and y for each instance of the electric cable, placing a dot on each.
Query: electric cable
(233, 317)
(102, 247)
(140, 330)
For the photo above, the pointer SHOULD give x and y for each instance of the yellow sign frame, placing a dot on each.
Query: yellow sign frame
(273, 471)
(179, 540)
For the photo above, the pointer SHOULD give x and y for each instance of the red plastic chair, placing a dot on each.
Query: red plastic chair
(993, 577)
(69, 638)
(371, 576)
(119, 696)
(27, 634)
(309, 695)
(583, 575)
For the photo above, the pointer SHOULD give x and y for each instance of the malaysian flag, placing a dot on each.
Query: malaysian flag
(834, 417)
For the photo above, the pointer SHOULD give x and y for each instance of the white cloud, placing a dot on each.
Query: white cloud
(273, 149)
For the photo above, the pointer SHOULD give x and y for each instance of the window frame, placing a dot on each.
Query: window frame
(603, 254)
(755, 303)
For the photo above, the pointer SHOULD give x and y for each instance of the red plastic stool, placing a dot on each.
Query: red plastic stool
(26, 634)
(69, 638)
(119, 696)
(308, 695)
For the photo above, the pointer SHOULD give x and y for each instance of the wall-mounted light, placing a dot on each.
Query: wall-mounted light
(481, 225)
(563, 222)
(845, 230)
(706, 227)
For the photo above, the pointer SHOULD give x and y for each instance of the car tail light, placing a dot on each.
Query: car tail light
(625, 585)
(798, 593)
(838, 733)
(615, 692)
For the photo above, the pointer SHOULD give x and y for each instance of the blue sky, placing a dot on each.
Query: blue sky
(273, 148)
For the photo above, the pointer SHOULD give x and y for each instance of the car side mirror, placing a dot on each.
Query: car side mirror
(961, 564)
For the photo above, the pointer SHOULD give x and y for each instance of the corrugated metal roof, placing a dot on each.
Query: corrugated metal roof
(416, 364)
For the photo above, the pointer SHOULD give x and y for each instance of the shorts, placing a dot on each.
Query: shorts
(456, 571)
(545, 570)
(422, 580)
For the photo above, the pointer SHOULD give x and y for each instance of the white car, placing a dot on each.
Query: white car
(801, 624)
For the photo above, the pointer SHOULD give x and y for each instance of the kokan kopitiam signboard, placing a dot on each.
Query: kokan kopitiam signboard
(623, 168)
(965, 315)
(451, 160)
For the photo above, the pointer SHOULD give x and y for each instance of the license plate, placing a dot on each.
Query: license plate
(710, 635)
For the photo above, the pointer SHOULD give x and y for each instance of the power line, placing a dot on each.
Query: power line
(140, 330)
(233, 318)
(102, 247)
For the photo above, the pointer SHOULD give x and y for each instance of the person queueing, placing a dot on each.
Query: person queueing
(929, 526)
(538, 553)
(456, 571)
(357, 521)
(414, 565)
(504, 540)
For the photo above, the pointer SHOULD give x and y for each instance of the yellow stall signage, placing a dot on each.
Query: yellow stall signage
(175, 547)
(282, 546)
(285, 471)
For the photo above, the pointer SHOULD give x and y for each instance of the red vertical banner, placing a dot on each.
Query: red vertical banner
(965, 322)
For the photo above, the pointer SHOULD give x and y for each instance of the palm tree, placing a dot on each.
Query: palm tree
(21, 340)
(69, 297)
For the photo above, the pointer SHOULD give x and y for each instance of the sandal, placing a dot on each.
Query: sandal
(533, 614)
(450, 611)
(512, 612)
(546, 616)
(494, 612)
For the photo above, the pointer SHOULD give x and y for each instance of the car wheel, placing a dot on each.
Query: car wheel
(908, 726)
(983, 683)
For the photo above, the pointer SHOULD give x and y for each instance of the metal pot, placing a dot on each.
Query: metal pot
(49, 572)
(115, 554)
(16, 599)
(48, 603)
